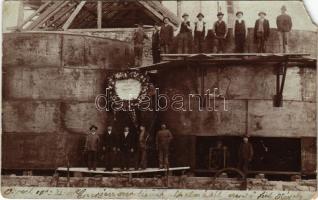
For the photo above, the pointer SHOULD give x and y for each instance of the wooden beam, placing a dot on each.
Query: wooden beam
(61, 15)
(99, 14)
(46, 14)
(20, 13)
(73, 15)
(34, 14)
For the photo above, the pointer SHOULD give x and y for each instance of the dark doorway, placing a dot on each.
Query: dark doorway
(270, 154)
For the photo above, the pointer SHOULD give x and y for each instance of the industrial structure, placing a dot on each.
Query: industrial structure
(58, 59)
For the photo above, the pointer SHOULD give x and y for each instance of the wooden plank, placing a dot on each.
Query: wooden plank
(99, 14)
(45, 14)
(116, 170)
(73, 15)
(34, 14)
(61, 14)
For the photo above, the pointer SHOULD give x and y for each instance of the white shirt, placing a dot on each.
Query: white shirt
(126, 133)
(200, 25)
(109, 132)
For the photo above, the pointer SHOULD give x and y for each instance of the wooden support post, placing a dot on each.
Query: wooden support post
(99, 14)
(20, 14)
(179, 9)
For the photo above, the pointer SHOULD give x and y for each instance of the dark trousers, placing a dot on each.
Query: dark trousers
(239, 43)
(198, 41)
(184, 41)
(141, 158)
(156, 55)
(165, 48)
(91, 159)
(163, 156)
(109, 158)
(243, 165)
(220, 42)
(138, 50)
(126, 158)
(260, 39)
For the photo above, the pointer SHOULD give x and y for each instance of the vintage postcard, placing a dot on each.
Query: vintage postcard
(129, 99)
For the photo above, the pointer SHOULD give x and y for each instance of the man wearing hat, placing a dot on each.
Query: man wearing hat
(166, 36)
(185, 35)
(239, 33)
(220, 32)
(109, 142)
(91, 147)
(199, 32)
(155, 46)
(138, 39)
(284, 26)
(126, 148)
(261, 32)
(245, 154)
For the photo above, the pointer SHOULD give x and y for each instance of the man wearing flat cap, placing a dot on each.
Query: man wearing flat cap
(91, 147)
(166, 36)
(185, 35)
(284, 26)
(239, 33)
(261, 32)
(220, 32)
(199, 32)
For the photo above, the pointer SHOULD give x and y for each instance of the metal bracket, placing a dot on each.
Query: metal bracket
(281, 70)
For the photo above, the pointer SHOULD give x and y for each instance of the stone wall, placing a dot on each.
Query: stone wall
(50, 81)
(182, 182)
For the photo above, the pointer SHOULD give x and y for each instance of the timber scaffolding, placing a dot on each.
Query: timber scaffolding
(201, 61)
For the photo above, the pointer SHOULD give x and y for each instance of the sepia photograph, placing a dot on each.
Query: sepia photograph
(129, 99)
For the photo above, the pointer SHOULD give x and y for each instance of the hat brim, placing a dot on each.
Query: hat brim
(239, 13)
(261, 13)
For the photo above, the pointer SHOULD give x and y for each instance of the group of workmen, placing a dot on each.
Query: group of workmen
(163, 35)
(128, 147)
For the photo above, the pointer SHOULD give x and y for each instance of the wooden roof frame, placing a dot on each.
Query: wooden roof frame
(64, 13)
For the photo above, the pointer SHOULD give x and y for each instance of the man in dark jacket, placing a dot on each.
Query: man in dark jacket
(239, 33)
(91, 147)
(166, 36)
(261, 32)
(141, 161)
(185, 35)
(199, 32)
(163, 139)
(109, 148)
(284, 26)
(220, 32)
(156, 44)
(245, 154)
(126, 148)
(138, 39)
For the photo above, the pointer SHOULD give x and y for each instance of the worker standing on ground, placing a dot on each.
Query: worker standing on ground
(109, 148)
(91, 147)
(245, 155)
(163, 139)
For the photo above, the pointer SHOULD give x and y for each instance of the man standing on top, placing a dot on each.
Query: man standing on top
(138, 39)
(245, 154)
(199, 32)
(185, 35)
(239, 33)
(220, 32)
(126, 148)
(156, 44)
(261, 32)
(166, 36)
(284, 26)
(109, 148)
(163, 139)
(91, 147)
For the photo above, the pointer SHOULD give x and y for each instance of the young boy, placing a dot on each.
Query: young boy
(91, 147)
(261, 32)
(220, 32)
(199, 32)
(239, 33)
(284, 26)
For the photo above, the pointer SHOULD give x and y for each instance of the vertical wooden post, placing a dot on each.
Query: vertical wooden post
(179, 8)
(20, 14)
(99, 14)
